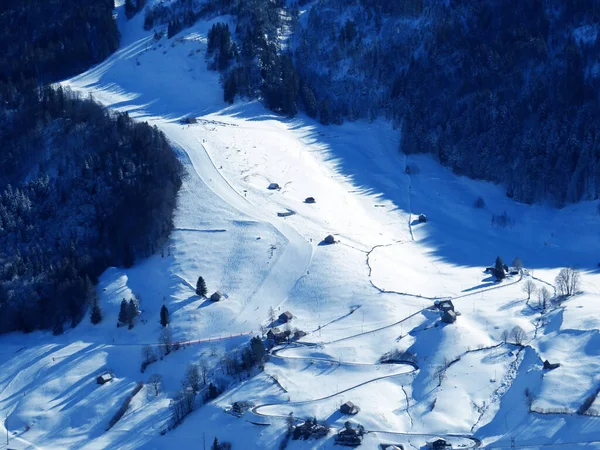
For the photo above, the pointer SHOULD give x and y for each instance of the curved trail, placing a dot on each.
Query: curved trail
(385, 291)
(297, 254)
(476, 443)
(413, 367)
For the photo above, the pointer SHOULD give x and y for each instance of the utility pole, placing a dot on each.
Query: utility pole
(363, 322)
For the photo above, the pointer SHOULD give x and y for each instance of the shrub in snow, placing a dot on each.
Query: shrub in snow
(501, 220)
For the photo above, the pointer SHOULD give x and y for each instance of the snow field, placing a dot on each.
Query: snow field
(367, 201)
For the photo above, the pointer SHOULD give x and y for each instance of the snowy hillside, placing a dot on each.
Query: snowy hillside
(371, 292)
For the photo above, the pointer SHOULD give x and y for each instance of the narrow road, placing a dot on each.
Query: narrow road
(412, 368)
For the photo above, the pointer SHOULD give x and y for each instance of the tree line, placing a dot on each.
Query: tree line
(501, 91)
(94, 190)
(81, 189)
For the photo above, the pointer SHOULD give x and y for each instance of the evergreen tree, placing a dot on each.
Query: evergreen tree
(499, 265)
(58, 328)
(258, 349)
(215, 445)
(124, 312)
(128, 255)
(212, 392)
(96, 316)
(130, 9)
(132, 311)
(310, 102)
(499, 272)
(324, 113)
(230, 88)
(164, 316)
(201, 287)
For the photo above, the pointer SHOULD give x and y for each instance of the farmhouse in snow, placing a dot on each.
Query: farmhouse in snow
(349, 408)
(104, 378)
(449, 316)
(285, 317)
(329, 239)
(439, 444)
(445, 305)
(278, 335)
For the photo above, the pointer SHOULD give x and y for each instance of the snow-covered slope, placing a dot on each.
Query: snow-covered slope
(366, 295)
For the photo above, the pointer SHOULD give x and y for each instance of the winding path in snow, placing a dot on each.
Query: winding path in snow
(412, 368)
(476, 443)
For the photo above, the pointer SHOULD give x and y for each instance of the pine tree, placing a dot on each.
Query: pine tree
(124, 312)
(212, 391)
(324, 113)
(499, 269)
(215, 445)
(57, 328)
(310, 102)
(499, 263)
(258, 349)
(132, 311)
(130, 9)
(128, 256)
(229, 88)
(164, 316)
(96, 316)
(201, 287)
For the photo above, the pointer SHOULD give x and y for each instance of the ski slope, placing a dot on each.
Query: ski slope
(369, 293)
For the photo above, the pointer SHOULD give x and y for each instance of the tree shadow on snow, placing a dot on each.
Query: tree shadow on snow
(368, 155)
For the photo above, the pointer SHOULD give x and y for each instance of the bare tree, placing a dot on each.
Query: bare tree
(155, 382)
(192, 378)
(182, 406)
(543, 297)
(440, 372)
(166, 340)
(148, 357)
(229, 363)
(567, 282)
(529, 288)
(504, 336)
(517, 263)
(271, 316)
(203, 371)
(518, 335)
